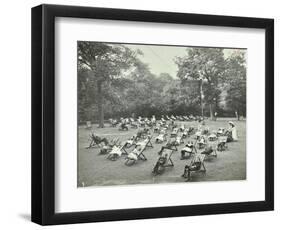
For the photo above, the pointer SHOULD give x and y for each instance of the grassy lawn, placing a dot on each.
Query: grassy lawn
(96, 170)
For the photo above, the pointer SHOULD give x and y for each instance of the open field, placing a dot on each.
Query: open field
(96, 170)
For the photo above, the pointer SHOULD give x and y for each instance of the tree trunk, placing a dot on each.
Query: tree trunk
(211, 112)
(100, 105)
(238, 116)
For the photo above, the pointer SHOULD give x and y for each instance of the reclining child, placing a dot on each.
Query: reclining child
(187, 150)
(161, 137)
(195, 165)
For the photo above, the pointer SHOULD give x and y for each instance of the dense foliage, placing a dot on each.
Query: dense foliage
(113, 82)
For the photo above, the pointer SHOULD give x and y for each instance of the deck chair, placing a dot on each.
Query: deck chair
(113, 122)
(172, 144)
(131, 141)
(106, 148)
(222, 143)
(179, 139)
(156, 129)
(134, 125)
(161, 138)
(141, 123)
(147, 142)
(221, 132)
(191, 131)
(205, 130)
(185, 133)
(96, 141)
(210, 151)
(186, 118)
(123, 127)
(197, 134)
(212, 137)
(182, 128)
(196, 165)
(174, 132)
(168, 118)
(117, 152)
(172, 117)
(180, 118)
(188, 150)
(163, 161)
(88, 125)
(143, 133)
(149, 124)
(163, 120)
(201, 142)
(135, 155)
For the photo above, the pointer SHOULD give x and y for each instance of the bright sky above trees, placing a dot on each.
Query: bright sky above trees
(161, 58)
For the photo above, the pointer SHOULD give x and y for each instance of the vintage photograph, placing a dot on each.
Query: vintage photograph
(150, 114)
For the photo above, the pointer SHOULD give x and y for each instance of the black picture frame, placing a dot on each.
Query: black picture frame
(43, 113)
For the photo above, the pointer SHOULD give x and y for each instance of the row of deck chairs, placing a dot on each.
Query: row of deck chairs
(143, 122)
(133, 156)
(211, 144)
(149, 122)
(176, 139)
(115, 149)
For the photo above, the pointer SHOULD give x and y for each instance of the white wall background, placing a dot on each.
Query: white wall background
(15, 113)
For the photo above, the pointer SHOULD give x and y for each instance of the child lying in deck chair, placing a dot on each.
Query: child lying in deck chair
(202, 142)
(173, 118)
(196, 165)
(136, 154)
(180, 118)
(179, 139)
(168, 118)
(210, 151)
(198, 134)
(222, 143)
(123, 127)
(171, 144)
(161, 137)
(141, 123)
(212, 137)
(185, 133)
(182, 128)
(146, 142)
(131, 141)
(191, 130)
(96, 141)
(188, 150)
(156, 129)
(174, 132)
(134, 125)
(143, 133)
(163, 161)
(116, 152)
(106, 148)
(209, 145)
(205, 130)
(186, 118)
(220, 131)
(113, 122)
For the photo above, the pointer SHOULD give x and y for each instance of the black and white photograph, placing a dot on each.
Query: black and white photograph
(151, 114)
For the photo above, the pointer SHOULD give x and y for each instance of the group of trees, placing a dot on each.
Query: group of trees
(222, 79)
(114, 82)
